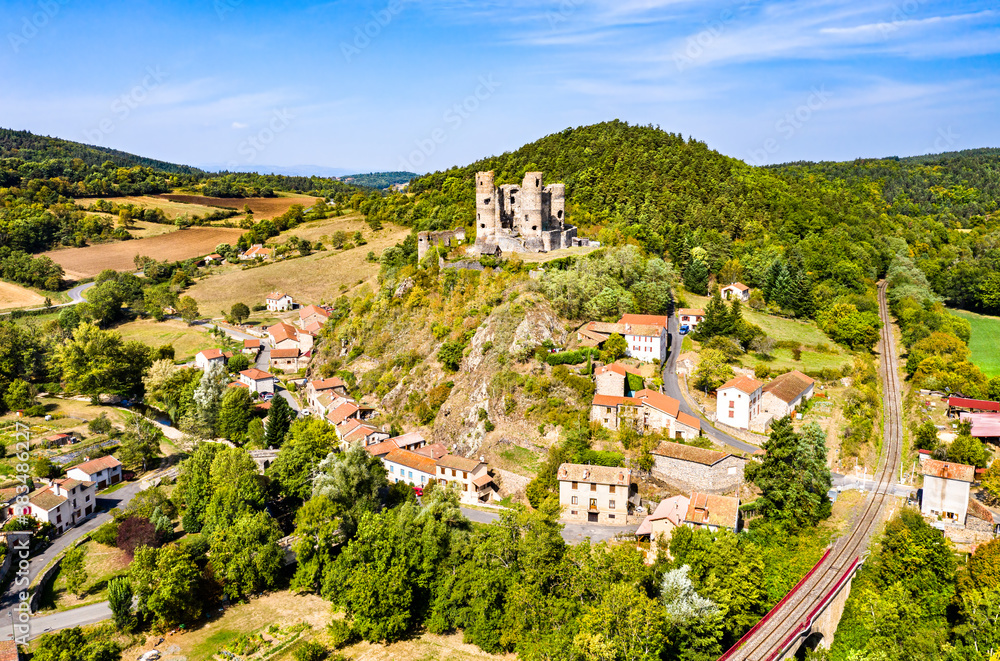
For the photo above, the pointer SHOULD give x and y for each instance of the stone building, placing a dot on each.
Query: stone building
(529, 217)
(785, 394)
(597, 494)
(946, 490)
(697, 469)
(427, 240)
(713, 512)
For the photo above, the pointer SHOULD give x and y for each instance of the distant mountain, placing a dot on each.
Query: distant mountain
(30, 147)
(287, 170)
(379, 179)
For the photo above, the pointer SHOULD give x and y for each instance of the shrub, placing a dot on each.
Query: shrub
(106, 534)
(341, 633)
(36, 411)
(309, 651)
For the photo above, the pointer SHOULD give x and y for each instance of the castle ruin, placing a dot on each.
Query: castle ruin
(521, 218)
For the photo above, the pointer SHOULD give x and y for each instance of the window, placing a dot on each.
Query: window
(392, 469)
(611, 504)
(593, 503)
(731, 414)
(410, 474)
(465, 475)
(593, 487)
(611, 516)
(574, 485)
(732, 403)
(611, 488)
(453, 472)
(574, 500)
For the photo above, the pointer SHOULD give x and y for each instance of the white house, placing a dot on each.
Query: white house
(410, 467)
(203, 359)
(690, 317)
(735, 290)
(786, 394)
(63, 503)
(596, 494)
(946, 490)
(645, 335)
(738, 400)
(278, 301)
(258, 380)
(103, 471)
(256, 251)
(471, 476)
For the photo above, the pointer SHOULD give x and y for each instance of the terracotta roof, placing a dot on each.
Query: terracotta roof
(644, 320)
(327, 384)
(948, 470)
(255, 374)
(211, 354)
(482, 480)
(980, 404)
(645, 330)
(789, 386)
(689, 420)
(689, 453)
(342, 412)
(97, 465)
(57, 437)
(381, 448)
(275, 295)
(69, 483)
(411, 460)
(737, 285)
(742, 383)
(659, 401)
(618, 368)
(8, 651)
(284, 353)
(458, 463)
(591, 338)
(310, 310)
(46, 500)
(360, 432)
(690, 312)
(713, 510)
(435, 451)
(251, 344)
(595, 474)
(313, 328)
(409, 439)
(614, 400)
(984, 425)
(282, 331)
(672, 509)
(349, 425)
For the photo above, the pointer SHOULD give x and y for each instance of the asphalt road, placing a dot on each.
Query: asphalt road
(75, 296)
(9, 600)
(671, 387)
(573, 533)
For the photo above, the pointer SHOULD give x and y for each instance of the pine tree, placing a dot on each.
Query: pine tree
(716, 319)
(235, 415)
(734, 317)
(279, 418)
(696, 277)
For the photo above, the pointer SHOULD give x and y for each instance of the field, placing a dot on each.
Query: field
(173, 210)
(262, 207)
(313, 279)
(193, 242)
(102, 564)
(186, 340)
(540, 257)
(15, 296)
(984, 342)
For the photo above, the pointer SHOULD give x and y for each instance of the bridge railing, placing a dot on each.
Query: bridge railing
(736, 648)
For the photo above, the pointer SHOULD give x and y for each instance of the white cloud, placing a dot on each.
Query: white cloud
(240, 125)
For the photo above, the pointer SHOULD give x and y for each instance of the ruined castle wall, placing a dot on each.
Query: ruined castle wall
(530, 219)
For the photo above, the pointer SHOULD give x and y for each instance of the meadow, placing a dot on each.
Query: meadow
(984, 342)
(186, 340)
(15, 296)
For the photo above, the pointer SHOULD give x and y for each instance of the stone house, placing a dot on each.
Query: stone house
(472, 477)
(785, 394)
(286, 359)
(713, 512)
(251, 348)
(103, 471)
(736, 290)
(277, 301)
(257, 380)
(596, 494)
(355, 431)
(738, 400)
(660, 525)
(613, 412)
(946, 490)
(662, 413)
(698, 469)
(613, 380)
(333, 385)
(286, 336)
(312, 314)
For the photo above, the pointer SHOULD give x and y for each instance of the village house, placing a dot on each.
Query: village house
(785, 394)
(204, 359)
(697, 469)
(214, 258)
(690, 317)
(252, 348)
(738, 400)
(946, 490)
(347, 410)
(647, 410)
(256, 251)
(312, 314)
(257, 380)
(433, 450)
(596, 494)
(355, 431)
(286, 336)
(103, 471)
(410, 467)
(645, 335)
(472, 477)
(413, 440)
(317, 387)
(285, 359)
(736, 290)
(278, 302)
(713, 512)
(614, 380)
(63, 503)
(660, 525)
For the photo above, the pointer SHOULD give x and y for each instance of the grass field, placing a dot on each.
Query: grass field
(313, 279)
(317, 229)
(186, 340)
(193, 242)
(984, 342)
(262, 207)
(102, 563)
(15, 296)
(171, 209)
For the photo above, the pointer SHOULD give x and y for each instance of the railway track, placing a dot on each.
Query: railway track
(789, 621)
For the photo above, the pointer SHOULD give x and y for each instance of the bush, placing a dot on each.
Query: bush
(341, 633)
(309, 651)
(36, 411)
(106, 534)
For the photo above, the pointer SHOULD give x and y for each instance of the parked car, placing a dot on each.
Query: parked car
(684, 329)
(419, 491)
(268, 396)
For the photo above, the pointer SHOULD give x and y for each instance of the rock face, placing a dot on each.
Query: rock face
(403, 289)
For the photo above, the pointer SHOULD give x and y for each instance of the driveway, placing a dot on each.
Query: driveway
(671, 387)
(573, 533)
(105, 503)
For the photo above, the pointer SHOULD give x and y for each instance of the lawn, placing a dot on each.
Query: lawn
(102, 563)
(517, 460)
(319, 277)
(186, 340)
(984, 342)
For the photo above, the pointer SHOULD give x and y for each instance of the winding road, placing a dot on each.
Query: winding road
(75, 296)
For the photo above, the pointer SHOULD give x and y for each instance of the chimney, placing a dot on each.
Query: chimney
(55, 488)
(482, 459)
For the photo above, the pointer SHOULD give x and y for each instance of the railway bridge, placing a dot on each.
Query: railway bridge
(809, 614)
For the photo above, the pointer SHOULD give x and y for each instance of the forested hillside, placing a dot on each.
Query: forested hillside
(380, 180)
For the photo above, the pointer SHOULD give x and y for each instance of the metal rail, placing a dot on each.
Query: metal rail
(793, 616)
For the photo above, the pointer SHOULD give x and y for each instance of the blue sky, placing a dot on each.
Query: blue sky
(428, 84)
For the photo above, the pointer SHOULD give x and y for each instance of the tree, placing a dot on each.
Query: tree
(120, 602)
(135, 532)
(19, 395)
(239, 312)
(696, 277)
(279, 418)
(317, 526)
(188, 309)
(255, 434)
(165, 581)
(238, 363)
(309, 441)
(614, 348)
(245, 555)
(625, 625)
(969, 450)
(925, 436)
(99, 425)
(98, 362)
(352, 480)
(141, 442)
(73, 645)
(450, 355)
(793, 476)
(194, 481)
(236, 489)
(207, 397)
(75, 571)
(235, 414)
(846, 325)
(713, 370)
(44, 468)
(991, 481)
(694, 623)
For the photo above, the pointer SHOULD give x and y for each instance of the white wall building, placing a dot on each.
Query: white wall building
(735, 290)
(103, 471)
(690, 317)
(946, 490)
(257, 380)
(738, 400)
(278, 302)
(208, 357)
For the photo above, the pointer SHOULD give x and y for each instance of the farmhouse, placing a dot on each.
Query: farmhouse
(660, 525)
(647, 410)
(472, 477)
(103, 471)
(333, 385)
(63, 503)
(256, 251)
(596, 494)
(738, 400)
(312, 314)
(698, 469)
(286, 336)
(208, 357)
(286, 359)
(785, 394)
(946, 490)
(617, 380)
(646, 341)
(737, 290)
(258, 380)
(278, 301)
(690, 317)
(251, 347)
(713, 512)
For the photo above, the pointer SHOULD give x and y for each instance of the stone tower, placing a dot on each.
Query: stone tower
(487, 217)
(557, 205)
(531, 221)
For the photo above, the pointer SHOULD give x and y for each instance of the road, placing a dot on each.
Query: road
(573, 533)
(263, 360)
(75, 296)
(672, 387)
(9, 600)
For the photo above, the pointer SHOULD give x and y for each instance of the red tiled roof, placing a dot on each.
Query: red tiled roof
(713, 510)
(8, 651)
(742, 383)
(282, 331)
(342, 412)
(381, 448)
(236, 384)
(284, 353)
(482, 480)
(411, 460)
(618, 368)
(255, 374)
(948, 470)
(659, 401)
(690, 312)
(689, 453)
(458, 463)
(980, 404)
(275, 295)
(595, 474)
(211, 354)
(313, 328)
(789, 386)
(689, 420)
(737, 285)
(327, 384)
(614, 400)
(251, 344)
(672, 509)
(410, 438)
(97, 465)
(644, 320)
(310, 310)
(435, 451)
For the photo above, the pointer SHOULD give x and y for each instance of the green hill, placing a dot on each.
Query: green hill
(380, 180)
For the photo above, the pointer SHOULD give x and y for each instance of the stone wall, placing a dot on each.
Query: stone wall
(699, 477)
(427, 240)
